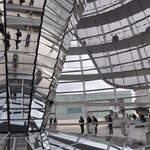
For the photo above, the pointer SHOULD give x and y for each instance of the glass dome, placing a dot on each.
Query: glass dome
(116, 38)
(109, 50)
(109, 55)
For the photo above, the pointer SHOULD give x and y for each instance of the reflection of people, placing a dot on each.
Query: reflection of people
(89, 121)
(18, 35)
(15, 60)
(7, 40)
(29, 29)
(95, 123)
(38, 77)
(110, 125)
(1, 24)
(81, 121)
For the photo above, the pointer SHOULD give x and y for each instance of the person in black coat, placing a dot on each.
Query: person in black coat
(89, 122)
(81, 121)
(7, 40)
(110, 125)
(95, 123)
(18, 35)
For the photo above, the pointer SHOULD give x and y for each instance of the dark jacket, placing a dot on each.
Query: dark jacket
(81, 121)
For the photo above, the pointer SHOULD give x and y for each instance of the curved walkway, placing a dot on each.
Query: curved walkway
(127, 10)
(22, 8)
(90, 77)
(139, 39)
(14, 21)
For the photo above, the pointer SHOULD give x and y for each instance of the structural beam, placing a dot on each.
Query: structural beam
(140, 39)
(127, 10)
(22, 8)
(89, 77)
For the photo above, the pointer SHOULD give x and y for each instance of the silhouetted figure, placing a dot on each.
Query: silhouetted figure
(7, 40)
(18, 15)
(18, 35)
(115, 38)
(10, 1)
(1, 24)
(51, 122)
(142, 118)
(21, 1)
(1, 28)
(81, 121)
(95, 123)
(38, 77)
(134, 116)
(15, 60)
(84, 43)
(14, 95)
(89, 121)
(29, 29)
(55, 122)
(31, 2)
(110, 125)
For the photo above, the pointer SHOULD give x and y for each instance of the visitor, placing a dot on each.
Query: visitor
(38, 77)
(51, 122)
(7, 40)
(110, 125)
(81, 121)
(18, 35)
(84, 43)
(21, 1)
(29, 29)
(95, 123)
(18, 15)
(134, 116)
(15, 60)
(55, 123)
(142, 117)
(31, 2)
(89, 121)
(115, 38)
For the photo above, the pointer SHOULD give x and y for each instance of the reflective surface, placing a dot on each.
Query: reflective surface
(35, 36)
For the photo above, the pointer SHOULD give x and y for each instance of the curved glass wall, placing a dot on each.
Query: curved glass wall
(96, 57)
(81, 90)
(35, 36)
(117, 42)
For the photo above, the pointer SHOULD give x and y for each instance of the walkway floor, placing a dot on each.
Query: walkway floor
(136, 135)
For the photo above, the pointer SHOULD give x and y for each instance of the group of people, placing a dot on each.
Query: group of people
(18, 36)
(115, 38)
(53, 122)
(91, 124)
(21, 2)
